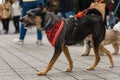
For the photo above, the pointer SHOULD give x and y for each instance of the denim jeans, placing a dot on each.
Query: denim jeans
(67, 14)
(25, 7)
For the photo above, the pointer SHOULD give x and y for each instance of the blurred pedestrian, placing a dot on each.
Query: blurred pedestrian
(6, 14)
(16, 13)
(27, 5)
(66, 8)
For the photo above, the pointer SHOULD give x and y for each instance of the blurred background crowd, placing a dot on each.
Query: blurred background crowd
(11, 10)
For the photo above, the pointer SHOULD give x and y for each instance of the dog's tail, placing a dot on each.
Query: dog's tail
(93, 11)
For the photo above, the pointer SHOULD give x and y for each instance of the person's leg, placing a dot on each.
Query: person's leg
(39, 33)
(17, 18)
(63, 14)
(26, 6)
(22, 29)
(14, 22)
(7, 25)
(39, 37)
(3, 23)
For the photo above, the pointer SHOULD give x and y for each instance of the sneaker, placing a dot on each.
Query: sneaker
(39, 42)
(18, 41)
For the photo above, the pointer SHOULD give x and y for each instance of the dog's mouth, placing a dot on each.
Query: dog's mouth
(28, 24)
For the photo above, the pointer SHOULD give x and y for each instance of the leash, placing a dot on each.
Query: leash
(80, 14)
(47, 24)
(115, 11)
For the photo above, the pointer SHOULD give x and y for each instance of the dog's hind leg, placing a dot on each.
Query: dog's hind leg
(57, 52)
(66, 52)
(116, 48)
(102, 48)
(97, 58)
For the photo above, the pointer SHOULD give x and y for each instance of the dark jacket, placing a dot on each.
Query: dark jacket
(65, 5)
(84, 4)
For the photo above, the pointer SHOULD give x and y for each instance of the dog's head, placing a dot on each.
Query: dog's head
(33, 18)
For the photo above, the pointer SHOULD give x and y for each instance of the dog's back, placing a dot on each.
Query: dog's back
(93, 11)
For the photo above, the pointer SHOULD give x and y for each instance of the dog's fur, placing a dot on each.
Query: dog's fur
(112, 37)
(74, 30)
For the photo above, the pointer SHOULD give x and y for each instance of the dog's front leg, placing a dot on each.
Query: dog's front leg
(52, 61)
(67, 54)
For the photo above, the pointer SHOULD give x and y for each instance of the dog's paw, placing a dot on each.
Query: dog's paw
(91, 68)
(68, 69)
(41, 73)
(84, 55)
(114, 53)
(111, 66)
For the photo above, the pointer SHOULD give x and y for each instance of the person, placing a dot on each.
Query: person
(6, 14)
(16, 13)
(27, 5)
(66, 8)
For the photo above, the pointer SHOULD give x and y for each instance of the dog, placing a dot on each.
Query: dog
(73, 30)
(112, 37)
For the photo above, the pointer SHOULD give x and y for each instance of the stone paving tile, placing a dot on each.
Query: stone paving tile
(10, 78)
(8, 75)
(22, 62)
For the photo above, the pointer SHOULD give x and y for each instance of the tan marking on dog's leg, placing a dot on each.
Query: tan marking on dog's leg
(67, 54)
(116, 48)
(54, 58)
(102, 48)
(97, 59)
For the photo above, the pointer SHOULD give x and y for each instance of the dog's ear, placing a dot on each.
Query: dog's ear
(40, 6)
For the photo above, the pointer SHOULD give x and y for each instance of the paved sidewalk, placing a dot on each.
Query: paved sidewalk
(22, 62)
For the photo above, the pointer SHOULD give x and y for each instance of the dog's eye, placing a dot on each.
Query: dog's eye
(29, 14)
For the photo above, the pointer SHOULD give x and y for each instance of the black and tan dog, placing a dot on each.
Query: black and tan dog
(73, 31)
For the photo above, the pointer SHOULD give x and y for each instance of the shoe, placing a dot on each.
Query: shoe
(5, 32)
(16, 32)
(39, 42)
(18, 41)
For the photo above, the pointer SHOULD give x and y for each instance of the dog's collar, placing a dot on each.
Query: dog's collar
(46, 25)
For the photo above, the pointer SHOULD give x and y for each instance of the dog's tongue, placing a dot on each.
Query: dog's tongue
(79, 15)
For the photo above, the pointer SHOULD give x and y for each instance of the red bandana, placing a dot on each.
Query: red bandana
(54, 32)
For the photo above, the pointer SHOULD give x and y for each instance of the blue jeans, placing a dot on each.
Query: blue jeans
(67, 14)
(27, 6)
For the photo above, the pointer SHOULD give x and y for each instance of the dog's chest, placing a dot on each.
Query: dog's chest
(54, 32)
